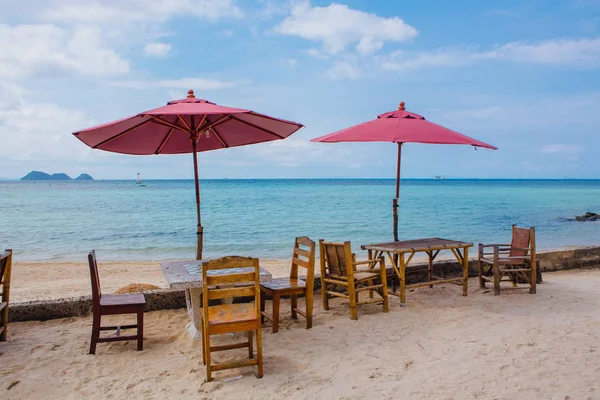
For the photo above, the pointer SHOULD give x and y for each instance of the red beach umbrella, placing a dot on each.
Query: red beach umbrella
(400, 127)
(190, 125)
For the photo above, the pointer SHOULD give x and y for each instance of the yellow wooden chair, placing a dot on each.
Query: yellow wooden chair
(340, 278)
(304, 257)
(242, 279)
(5, 272)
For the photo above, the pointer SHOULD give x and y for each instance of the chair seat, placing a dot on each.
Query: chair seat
(112, 300)
(284, 284)
(504, 260)
(228, 313)
(360, 276)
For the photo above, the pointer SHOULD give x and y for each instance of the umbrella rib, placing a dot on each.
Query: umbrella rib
(258, 127)
(164, 141)
(126, 131)
(219, 121)
(180, 118)
(219, 137)
(203, 120)
(160, 121)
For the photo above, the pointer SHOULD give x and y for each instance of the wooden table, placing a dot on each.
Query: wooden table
(430, 246)
(187, 275)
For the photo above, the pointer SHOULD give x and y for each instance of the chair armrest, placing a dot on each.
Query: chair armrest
(370, 271)
(494, 245)
(513, 248)
(373, 261)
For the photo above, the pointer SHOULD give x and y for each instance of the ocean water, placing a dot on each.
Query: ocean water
(124, 221)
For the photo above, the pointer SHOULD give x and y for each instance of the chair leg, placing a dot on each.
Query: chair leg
(140, 329)
(262, 306)
(496, 280)
(325, 297)
(95, 332)
(203, 350)
(259, 359)
(533, 279)
(250, 344)
(206, 339)
(309, 308)
(352, 295)
(294, 303)
(275, 312)
(480, 271)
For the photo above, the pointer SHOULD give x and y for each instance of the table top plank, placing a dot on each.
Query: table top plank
(415, 245)
(187, 274)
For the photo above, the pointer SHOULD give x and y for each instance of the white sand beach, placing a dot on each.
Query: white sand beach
(441, 346)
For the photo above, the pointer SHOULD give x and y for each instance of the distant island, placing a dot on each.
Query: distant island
(42, 176)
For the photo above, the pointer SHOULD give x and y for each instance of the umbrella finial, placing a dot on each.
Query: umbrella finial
(401, 106)
(190, 94)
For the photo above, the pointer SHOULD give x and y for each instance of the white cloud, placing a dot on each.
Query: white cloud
(291, 62)
(115, 12)
(48, 49)
(183, 83)
(337, 26)
(562, 148)
(581, 52)
(157, 49)
(344, 69)
(40, 132)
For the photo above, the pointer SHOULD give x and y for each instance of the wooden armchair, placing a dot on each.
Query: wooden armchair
(303, 256)
(515, 261)
(242, 280)
(113, 304)
(340, 278)
(5, 272)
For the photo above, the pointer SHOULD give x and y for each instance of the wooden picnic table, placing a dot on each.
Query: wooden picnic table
(430, 246)
(187, 275)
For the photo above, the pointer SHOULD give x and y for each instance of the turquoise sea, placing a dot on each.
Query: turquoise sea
(124, 221)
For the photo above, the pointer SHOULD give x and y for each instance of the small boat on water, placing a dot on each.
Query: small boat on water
(439, 177)
(138, 181)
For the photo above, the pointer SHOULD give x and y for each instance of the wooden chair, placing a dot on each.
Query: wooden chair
(515, 261)
(340, 278)
(243, 280)
(5, 272)
(113, 305)
(293, 286)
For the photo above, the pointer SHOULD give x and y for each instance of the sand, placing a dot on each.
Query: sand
(441, 346)
(55, 280)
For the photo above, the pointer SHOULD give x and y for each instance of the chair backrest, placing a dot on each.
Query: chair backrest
(5, 263)
(96, 293)
(336, 258)
(5, 272)
(303, 256)
(522, 238)
(241, 275)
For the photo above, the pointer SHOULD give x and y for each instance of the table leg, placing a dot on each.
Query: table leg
(430, 271)
(402, 281)
(465, 271)
(370, 256)
(193, 299)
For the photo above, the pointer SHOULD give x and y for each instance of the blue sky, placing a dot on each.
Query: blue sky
(521, 75)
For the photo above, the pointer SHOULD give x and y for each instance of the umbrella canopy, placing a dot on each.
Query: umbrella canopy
(400, 127)
(190, 125)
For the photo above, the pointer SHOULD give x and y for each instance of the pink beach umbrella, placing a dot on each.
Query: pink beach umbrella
(190, 125)
(400, 127)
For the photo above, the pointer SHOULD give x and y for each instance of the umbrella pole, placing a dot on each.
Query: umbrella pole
(395, 200)
(200, 229)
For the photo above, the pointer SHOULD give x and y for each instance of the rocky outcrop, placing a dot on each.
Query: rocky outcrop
(588, 216)
(42, 176)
